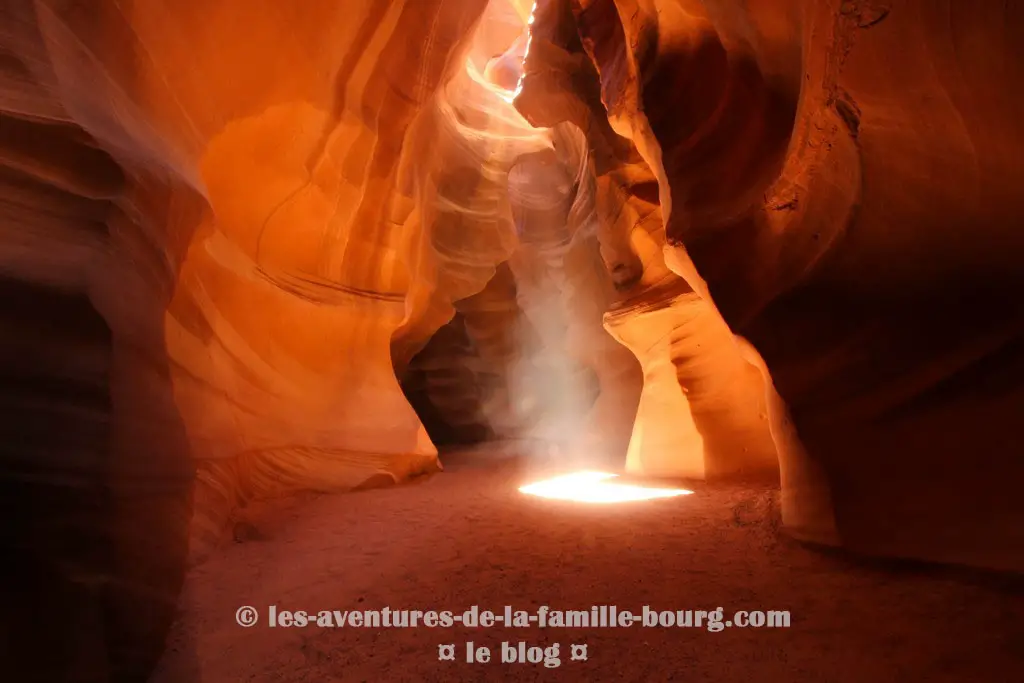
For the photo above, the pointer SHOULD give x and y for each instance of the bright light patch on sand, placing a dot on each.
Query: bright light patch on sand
(595, 487)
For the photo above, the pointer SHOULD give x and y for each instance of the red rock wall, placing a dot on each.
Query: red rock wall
(226, 186)
(843, 179)
(225, 226)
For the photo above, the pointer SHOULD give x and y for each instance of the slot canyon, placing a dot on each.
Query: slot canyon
(299, 301)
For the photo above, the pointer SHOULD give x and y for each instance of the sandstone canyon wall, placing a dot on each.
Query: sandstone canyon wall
(229, 227)
(213, 205)
(843, 179)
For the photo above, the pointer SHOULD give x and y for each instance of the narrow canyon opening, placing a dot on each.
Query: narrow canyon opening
(583, 343)
(677, 307)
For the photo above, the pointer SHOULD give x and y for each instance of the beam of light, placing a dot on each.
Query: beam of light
(511, 97)
(595, 487)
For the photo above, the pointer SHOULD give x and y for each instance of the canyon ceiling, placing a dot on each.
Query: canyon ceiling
(240, 239)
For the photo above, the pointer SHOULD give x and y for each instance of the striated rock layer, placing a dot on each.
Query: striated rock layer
(220, 209)
(228, 227)
(702, 412)
(842, 179)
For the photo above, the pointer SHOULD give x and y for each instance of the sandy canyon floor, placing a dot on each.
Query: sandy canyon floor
(468, 537)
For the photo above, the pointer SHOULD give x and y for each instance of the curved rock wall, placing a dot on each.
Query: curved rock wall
(230, 188)
(842, 178)
(703, 409)
(227, 224)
